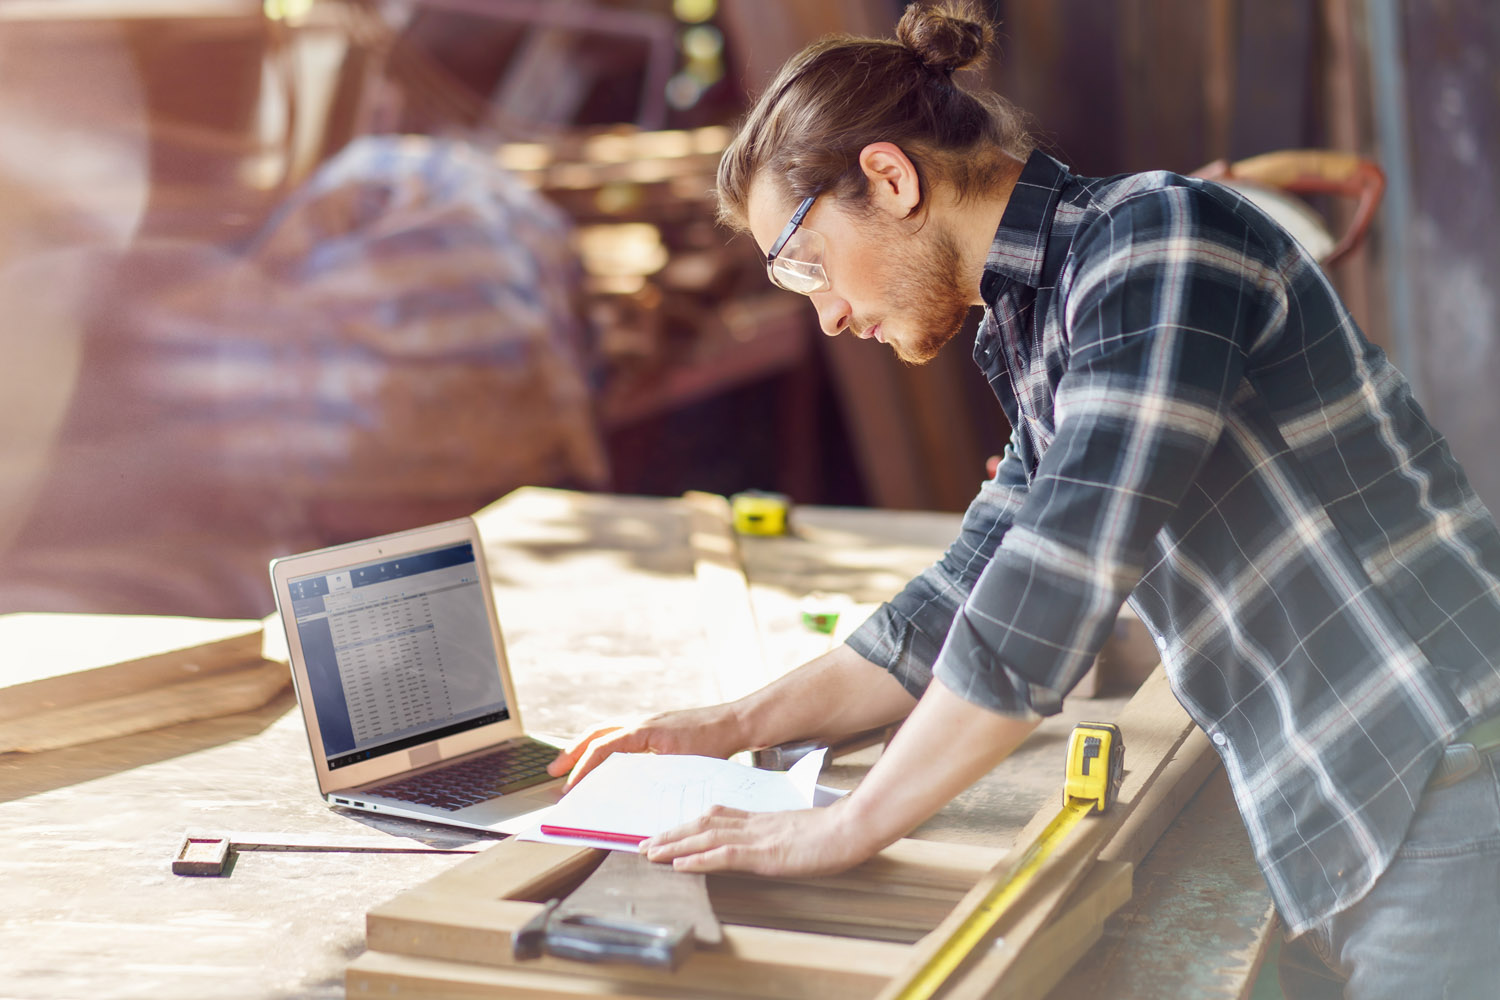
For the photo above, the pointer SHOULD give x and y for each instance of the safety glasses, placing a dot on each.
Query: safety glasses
(796, 258)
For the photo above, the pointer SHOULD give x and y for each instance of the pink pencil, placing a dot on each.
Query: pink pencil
(569, 831)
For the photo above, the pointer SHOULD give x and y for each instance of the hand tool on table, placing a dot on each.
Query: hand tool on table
(628, 910)
(782, 756)
(211, 853)
(1094, 771)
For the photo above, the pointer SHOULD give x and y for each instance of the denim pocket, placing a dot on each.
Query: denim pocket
(1458, 818)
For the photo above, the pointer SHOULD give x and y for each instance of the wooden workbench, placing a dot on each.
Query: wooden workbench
(602, 617)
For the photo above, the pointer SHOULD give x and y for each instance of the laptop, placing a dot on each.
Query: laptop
(402, 681)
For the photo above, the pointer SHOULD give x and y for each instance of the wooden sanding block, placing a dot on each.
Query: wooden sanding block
(201, 856)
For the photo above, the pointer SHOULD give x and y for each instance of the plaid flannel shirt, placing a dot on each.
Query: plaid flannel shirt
(1199, 426)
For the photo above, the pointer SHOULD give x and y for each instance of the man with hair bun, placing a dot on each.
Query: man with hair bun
(1198, 427)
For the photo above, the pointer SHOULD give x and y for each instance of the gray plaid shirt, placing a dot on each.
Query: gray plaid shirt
(1200, 427)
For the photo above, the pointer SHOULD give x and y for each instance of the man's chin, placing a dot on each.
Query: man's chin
(925, 350)
(918, 356)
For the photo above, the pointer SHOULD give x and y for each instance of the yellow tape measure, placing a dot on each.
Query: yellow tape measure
(1095, 768)
(757, 512)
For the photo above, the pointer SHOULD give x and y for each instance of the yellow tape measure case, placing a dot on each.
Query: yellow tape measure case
(1096, 763)
(757, 512)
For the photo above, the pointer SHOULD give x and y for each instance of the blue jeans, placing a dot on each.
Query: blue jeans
(1430, 927)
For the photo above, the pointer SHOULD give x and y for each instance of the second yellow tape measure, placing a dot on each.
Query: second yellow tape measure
(757, 512)
(1095, 768)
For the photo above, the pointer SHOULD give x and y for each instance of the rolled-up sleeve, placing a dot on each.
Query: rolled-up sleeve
(1156, 315)
(905, 634)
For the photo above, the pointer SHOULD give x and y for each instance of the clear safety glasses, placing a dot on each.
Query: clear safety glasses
(796, 258)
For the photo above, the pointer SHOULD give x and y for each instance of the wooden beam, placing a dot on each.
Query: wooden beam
(1185, 773)
(477, 931)
(725, 611)
(403, 977)
(1198, 894)
(1070, 935)
(516, 870)
(428, 941)
(84, 678)
(1154, 727)
(57, 660)
(468, 914)
(246, 687)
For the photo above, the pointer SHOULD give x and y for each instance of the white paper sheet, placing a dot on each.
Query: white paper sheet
(642, 795)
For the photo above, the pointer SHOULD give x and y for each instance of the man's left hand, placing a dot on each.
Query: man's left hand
(801, 842)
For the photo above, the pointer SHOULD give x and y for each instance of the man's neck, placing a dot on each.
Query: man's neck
(974, 220)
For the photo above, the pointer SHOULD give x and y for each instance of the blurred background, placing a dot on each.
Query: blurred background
(276, 274)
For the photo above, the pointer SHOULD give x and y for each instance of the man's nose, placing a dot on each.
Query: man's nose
(833, 312)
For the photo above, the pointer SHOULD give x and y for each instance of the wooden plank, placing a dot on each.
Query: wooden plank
(475, 931)
(394, 977)
(628, 886)
(1201, 916)
(899, 895)
(458, 934)
(78, 679)
(726, 613)
(516, 870)
(907, 867)
(1185, 773)
(1071, 933)
(56, 660)
(468, 913)
(1154, 726)
(222, 693)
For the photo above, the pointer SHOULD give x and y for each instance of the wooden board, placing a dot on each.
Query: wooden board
(465, 918)
(726, 613)
(837, 936)
(1200, 892)
(1154, 727)
(81, 678)
(225, 692)
(52, 660)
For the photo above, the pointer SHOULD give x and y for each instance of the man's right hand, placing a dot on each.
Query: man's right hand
(708, 732)
(828, 698)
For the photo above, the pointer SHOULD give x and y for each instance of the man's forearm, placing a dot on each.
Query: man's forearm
(836, 695)
(945, 746)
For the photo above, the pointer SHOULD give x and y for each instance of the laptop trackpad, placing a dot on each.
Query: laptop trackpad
(514, 813)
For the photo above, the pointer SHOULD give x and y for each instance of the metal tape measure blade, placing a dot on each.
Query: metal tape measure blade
(1094, 770)
(971, 933)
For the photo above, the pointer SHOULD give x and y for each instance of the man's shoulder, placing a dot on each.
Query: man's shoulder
(1148, 194)
(1106, 215)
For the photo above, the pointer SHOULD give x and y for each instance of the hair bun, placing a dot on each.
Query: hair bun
(946, 36)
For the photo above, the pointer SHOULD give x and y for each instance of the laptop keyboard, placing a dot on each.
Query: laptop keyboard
(510, 768)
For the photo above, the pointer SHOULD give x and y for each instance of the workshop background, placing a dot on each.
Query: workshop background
(280, 274)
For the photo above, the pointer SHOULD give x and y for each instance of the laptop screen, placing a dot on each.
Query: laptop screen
(398, 652)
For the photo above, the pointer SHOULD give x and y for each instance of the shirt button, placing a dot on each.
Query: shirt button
(1161, 642)
(1220, 739)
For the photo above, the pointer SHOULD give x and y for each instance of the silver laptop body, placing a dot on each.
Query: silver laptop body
(401, 677)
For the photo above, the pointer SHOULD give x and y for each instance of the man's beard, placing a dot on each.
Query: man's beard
(932, 295)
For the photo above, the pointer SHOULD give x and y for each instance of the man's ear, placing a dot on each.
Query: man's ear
(895, 187)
